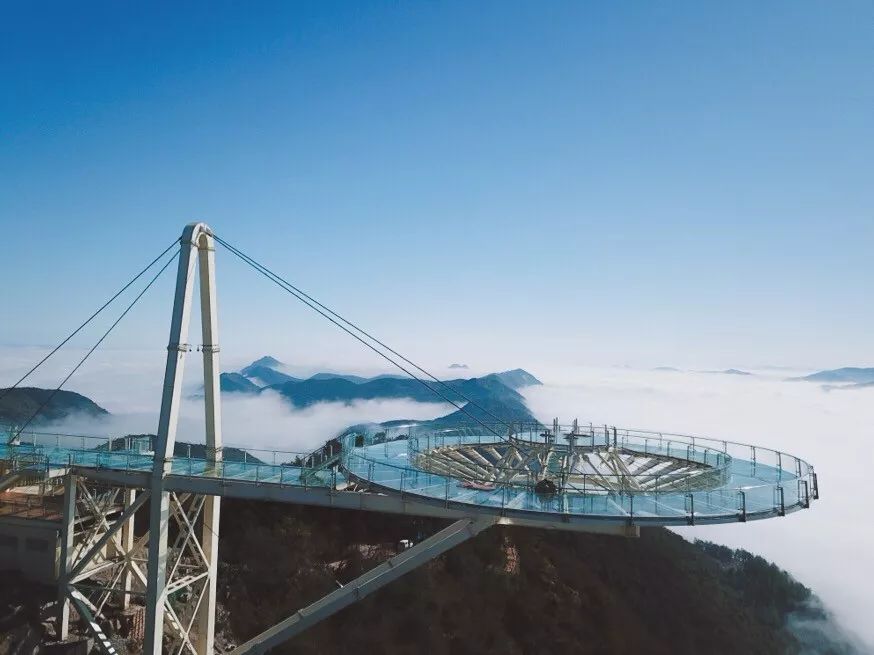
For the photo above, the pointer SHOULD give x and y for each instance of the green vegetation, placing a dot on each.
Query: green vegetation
(510, 590)
(236, 383)
(18, 405)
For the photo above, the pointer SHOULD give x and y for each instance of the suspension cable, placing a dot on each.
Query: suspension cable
(99, 341)
(6, 391)
(273, 277)
(299, 292)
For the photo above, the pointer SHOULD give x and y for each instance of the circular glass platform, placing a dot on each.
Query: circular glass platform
(604, 473)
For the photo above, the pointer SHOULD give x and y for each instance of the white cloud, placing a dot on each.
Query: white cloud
(829, 547)
(264, 421)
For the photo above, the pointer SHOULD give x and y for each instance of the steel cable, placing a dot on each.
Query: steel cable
(99, 341)
(6, 391)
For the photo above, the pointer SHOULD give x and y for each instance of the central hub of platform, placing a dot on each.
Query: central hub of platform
(580, 465)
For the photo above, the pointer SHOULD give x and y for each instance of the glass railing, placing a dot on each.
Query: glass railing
(135, 454)
(740, 481)
(732, 481)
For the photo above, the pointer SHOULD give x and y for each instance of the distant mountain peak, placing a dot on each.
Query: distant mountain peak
(728, 371)
(19, 404)
(267, 369)
(735, 371)
(517, 378)
(852, 374)
(458, 366)
(267, 361)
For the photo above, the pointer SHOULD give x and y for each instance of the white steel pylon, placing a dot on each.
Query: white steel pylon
(196, 239)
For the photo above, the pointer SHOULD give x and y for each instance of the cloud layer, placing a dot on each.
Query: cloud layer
(829, 547)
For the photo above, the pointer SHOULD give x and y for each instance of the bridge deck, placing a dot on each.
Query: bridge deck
(395, 486)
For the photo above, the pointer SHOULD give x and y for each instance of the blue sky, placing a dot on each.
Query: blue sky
(508, 183)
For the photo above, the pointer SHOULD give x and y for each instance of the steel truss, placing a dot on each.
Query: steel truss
(103, 568)
(101, 564)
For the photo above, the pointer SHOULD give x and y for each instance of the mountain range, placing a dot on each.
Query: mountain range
(854, 376)
(533, 590)
(493, 395)
(18, 405)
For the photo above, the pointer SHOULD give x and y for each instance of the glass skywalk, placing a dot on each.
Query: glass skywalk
(607, 474)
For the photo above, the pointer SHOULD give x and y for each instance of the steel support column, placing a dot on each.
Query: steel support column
(127, 544)
(65, 564)
(196, 237)
(209, 535)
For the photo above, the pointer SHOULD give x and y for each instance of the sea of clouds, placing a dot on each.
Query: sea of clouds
(129, 384)
(830, 547)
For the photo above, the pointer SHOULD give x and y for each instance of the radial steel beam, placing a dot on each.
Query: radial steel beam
(374, 579)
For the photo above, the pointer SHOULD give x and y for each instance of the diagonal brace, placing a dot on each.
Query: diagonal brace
(365, 584)
(109, 534)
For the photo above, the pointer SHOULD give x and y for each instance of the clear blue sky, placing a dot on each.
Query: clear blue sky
(657, 183)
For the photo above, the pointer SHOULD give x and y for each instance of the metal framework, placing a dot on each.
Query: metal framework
(573, 468)
(101, 562)
(103, 565)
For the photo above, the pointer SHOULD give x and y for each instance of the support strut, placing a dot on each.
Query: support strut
(365, 584)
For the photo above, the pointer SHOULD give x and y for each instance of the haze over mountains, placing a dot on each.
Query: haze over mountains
(728, 371)
(690, 401)
(848, 377)
(493, 395)
(21, 404)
